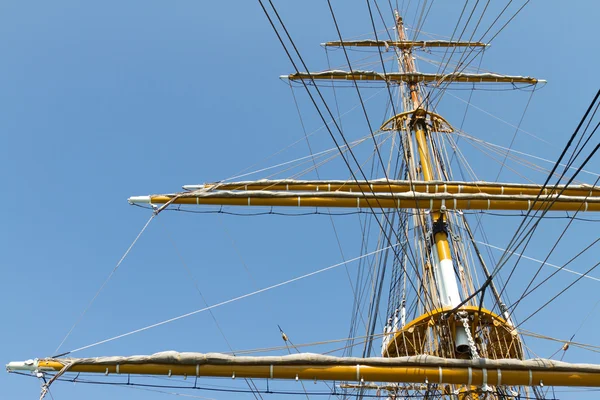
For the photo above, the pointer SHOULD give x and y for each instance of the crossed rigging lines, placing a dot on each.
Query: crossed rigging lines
(522, 235)
(528, 217)
(358, 91)
(338, 129)
(379, 156)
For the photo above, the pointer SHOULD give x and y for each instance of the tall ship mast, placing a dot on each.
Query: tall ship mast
(448, 330)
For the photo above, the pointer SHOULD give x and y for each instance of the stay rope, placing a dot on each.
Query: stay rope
(164, 322)
(105, 282)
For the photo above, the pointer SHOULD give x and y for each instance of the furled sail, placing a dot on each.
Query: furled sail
(412, 77)
(422, 368)
(405, 44)
(435, 195)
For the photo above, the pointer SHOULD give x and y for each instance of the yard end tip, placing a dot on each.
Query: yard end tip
(139, 200)
(193, 187)
(29, 365)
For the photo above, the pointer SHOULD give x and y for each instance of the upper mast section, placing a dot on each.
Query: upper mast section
(407, 63)
(385, 194)
(409, 74)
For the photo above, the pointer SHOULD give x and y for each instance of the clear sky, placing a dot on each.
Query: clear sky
(104, 100)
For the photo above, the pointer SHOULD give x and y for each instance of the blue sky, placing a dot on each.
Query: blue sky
(110, 99)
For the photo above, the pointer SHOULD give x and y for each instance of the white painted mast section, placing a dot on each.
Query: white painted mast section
(449, 295)
(446, 280)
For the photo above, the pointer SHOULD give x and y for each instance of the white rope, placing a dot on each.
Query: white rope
(233, 299)
(330, 150)
(512, 253)
(105, 282)
(472, 138)
(503, 121)
(169, 393)
(244, 173)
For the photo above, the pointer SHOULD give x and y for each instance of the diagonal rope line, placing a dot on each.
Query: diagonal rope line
(248, 381)
(514, 253)
(558, 294)
(311, 156)
(319, 177)
(492, 146)
(324, 126)
(298, 278)
(512, 141)
(322, 116)
(501, 120)
(105, 282)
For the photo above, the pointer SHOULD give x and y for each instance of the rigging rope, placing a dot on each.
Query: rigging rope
(521, 235)
(525, 236)
(134, 385)
(512, 253)
(105, 282)
(164, 322)
(249, 381)
(354, 294)
(314, 102)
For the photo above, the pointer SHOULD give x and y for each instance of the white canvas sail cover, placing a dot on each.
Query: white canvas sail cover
(191, 358)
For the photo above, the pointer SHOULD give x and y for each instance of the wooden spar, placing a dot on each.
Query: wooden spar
(477, 375)
(404, 44)
(396, 186)
(408, 200)
(412, 77)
